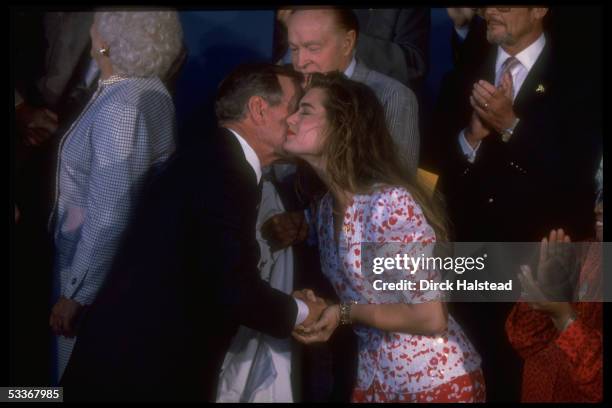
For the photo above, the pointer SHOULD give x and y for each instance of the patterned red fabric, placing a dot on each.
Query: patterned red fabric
(467, 388)
(402, 364)
(559, 367)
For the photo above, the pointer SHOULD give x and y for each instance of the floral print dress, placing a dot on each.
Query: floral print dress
(395, 366)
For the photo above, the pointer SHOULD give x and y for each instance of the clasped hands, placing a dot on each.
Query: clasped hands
(321, 322)
(492, 109)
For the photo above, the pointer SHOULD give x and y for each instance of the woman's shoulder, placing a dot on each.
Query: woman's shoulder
(394, 208)
(139, 92)
(385, 196)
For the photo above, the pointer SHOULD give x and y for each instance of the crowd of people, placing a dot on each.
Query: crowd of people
(232, 269)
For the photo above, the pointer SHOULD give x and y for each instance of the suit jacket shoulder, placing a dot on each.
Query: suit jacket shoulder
(385, 87)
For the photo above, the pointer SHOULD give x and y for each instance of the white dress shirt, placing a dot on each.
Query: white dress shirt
(519, 72)
(351, 68)
(254, 162)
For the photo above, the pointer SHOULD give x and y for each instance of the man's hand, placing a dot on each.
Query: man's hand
(64, 317)
(494, 105)
(316, 305)
(36, 124)
(461, 16)
(285, 229)
(322, 330)
(476, 131)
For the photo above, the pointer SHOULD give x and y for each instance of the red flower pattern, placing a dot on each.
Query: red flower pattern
(395, 366)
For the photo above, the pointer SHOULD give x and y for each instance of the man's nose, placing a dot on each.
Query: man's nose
(291, 119)
(301, 60)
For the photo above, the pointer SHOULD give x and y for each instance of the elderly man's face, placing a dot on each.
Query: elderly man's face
(276, 123)
(506, 26)
(316, 44)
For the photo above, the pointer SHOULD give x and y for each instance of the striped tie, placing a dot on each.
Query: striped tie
(507, 67)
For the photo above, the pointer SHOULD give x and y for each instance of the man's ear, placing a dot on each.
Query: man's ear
(540, 12)
(257, 109)
(349, 41)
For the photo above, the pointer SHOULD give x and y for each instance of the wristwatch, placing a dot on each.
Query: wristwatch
(507, 133)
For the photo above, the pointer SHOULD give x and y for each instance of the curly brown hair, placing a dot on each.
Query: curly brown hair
(359, 151)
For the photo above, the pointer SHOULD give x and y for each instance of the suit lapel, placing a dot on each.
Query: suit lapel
(238, 155)
(488, 68)
(536, 83)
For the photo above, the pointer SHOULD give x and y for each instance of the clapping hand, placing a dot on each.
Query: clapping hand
(553, 280)
(494, 105)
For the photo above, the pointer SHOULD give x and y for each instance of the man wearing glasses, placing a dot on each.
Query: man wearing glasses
(523, 136)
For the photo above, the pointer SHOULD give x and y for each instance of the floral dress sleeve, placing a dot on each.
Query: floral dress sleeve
(397, 227)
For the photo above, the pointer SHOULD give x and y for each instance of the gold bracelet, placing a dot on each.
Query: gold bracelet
(345, 312)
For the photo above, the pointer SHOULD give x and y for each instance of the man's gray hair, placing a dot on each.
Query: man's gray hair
(141, 43)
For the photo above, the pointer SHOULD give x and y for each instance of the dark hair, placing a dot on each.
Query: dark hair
(358, 149)
(345, 18)
(246, 81)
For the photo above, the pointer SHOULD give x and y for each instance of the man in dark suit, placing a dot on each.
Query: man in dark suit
(522, 133)
(187, 275)
(522, 138)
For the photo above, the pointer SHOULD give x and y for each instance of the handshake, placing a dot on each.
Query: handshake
(322, 320)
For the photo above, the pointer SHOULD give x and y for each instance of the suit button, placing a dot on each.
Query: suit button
(73, 281)
(490, 200)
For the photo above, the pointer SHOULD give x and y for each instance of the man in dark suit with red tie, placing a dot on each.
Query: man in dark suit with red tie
(522, 135)
(186, 276)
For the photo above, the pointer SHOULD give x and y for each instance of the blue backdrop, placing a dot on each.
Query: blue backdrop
(217, 41)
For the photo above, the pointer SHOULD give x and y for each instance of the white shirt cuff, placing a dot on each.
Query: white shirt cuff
(303, 311)
(468, 150)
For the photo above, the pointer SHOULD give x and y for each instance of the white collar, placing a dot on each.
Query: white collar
(351, 68)
(527, 57)
(249, 154)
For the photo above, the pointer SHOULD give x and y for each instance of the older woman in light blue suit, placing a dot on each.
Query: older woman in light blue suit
(127, 128)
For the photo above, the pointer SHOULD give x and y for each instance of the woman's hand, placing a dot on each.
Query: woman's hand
(559, 312)
(555, 278)
(322, 330)
(556, 274)
(64, 317)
